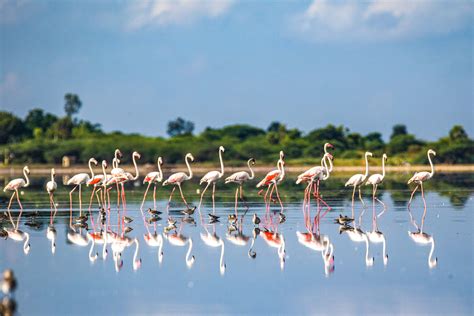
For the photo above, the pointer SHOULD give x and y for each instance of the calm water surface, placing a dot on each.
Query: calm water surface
(290, 273)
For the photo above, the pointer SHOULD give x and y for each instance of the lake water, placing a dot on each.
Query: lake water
(287, 271)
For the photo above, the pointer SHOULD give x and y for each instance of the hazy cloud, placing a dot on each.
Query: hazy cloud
(165, 12)
(8, 84)
(11, 10)
(350, 19)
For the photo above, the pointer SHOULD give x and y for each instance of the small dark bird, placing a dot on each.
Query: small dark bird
(189, 211)
(153, 219)
(32, 214)
(256, 232)
(8, 306)
(81, 225)
(255, 219)
(8, 282)
(33, 224)
(127, 219)
(154, 212)
(344, 228)
(232, 218)
(189, 220)
(171, 221)
(128, 229)
(343, 220)
(169, 228)
(3, 233)
(82, 219)
(282, 218)
(232, 228)
(213, 221)
(213, 217)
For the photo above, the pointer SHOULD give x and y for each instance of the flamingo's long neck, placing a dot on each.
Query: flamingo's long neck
(52, 175)
(222, 164)
(330, 164)
(282, 169)
(189, 260)
(136, 168)
(90, 168)
(104, 181)
(189, 168)
(160, 172)
(252, 174)
(326, 148)
(432, 166)
(366, 166)
(383, 167)
(326, 176)
(26, 178)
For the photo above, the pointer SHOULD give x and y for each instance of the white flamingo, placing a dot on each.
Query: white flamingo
(239, 178)
(16, 184)
(18, 235)
(155, 240)
(154, 177)
(176, 179)
(376, 179)
(420, 177)
(358, 179)
(78, 180)
(51, 187)
(273, 178)
(211, 178)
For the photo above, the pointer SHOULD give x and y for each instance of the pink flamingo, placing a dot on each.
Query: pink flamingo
(78, 180)
(239, 178)
(377, 179)
(420, 177)
(275, 240)
(16, 184)
(357, 180)
(51, 187)
(273, 178)
(153, 177)
(176, 179)
(211, 178)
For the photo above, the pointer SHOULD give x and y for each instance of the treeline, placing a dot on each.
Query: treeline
(43, 137)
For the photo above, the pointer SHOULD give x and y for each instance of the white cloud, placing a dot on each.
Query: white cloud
(9, 84)
(165, 12)
(385, 19)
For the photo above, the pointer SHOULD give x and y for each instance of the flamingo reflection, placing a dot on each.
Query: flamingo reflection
(422, 238)
(212, 240)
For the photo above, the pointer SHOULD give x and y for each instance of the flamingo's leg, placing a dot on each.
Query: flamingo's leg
(70, 197)
(235, 206)
(270, 200)
(360, 198)
(213, 196)
(242, 197)
(266, 193)
(202, 194)
(144, 195)
(92, 198)
(377, 199)
(423, 195)
(412, 194)
(353, 196)
(424, 210)
(21, 207)
(154, 197)
(80, 199)
(169, 200)
(182, 195)
(278, 196)
(54, 205)
(8, 209)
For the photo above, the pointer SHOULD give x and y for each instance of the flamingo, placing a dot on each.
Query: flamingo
(274, 177)
(16, 184)
(211, 178)
(153, 177)
(51, 233)
(212, 240)
(179, 177)
(180, 240)
(377, 179)
(239, 178)
(357, 180)
(420, 177)
(423, 238)
(78, 180)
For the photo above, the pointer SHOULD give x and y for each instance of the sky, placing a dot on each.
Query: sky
(138, 64)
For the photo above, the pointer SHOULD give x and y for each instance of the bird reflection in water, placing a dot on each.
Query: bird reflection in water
(376, 236)
(212, 240)
(420, 237)
(179, 240)
(273, 238)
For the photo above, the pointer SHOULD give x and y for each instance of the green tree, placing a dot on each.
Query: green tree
(373, 141)
(72, 104)
(180, 127)
(11, 128)
(401, 143)
(398, 129)
(61, 129)
(36, 118)
(457, 133)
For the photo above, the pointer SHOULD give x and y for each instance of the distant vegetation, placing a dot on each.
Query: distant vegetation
(45, 138)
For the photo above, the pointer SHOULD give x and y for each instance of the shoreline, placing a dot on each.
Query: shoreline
(144, 169)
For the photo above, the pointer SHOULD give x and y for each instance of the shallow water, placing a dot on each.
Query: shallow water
(286, 276)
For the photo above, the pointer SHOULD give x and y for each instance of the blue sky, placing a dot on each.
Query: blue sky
(137, 65)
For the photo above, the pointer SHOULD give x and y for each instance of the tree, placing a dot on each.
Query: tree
(457, 133)
(275, 126)
(398, 129)
(36, 118)
(11, 128)
(401, 143)
(180, 127)
(72, 104)
(61, 129)
(374, 141)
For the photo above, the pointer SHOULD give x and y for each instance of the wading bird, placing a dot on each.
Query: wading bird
(16, 184)
(176, 179)
(78, 180)
(239, 178)
(273, 178)
(211, 178)
(377, 179)
(154, 177)
(420, 177)
(358, 179)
